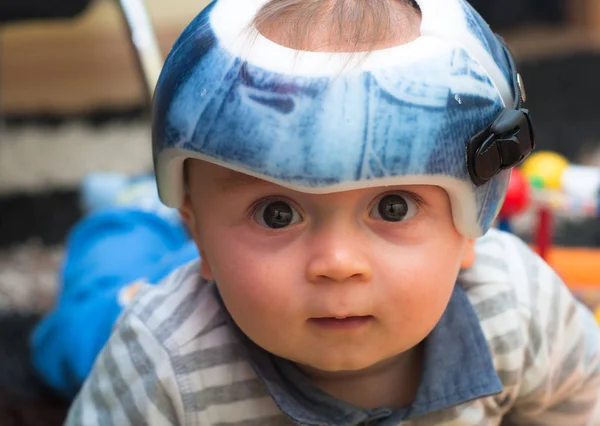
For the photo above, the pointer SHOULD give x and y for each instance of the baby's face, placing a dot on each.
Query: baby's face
(335, 282)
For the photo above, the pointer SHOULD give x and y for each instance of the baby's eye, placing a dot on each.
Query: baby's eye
(395, 208)
(276, 214)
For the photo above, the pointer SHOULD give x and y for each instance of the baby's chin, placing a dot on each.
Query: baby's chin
(342, 365)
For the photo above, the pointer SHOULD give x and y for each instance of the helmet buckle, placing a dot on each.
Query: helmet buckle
(503, 145)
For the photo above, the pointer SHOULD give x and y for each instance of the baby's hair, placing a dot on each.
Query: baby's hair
(354, 23)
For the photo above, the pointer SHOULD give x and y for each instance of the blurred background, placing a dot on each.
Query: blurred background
(73, 101)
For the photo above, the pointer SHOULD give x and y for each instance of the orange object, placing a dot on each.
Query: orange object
(578, 267)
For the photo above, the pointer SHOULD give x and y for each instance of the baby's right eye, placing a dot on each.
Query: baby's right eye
(276, 214)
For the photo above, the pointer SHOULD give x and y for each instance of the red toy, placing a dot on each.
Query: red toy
(518, 196)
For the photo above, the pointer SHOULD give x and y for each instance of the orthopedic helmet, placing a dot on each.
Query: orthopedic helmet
(445, 109)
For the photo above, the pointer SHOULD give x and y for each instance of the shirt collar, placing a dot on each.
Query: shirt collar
(457, 368)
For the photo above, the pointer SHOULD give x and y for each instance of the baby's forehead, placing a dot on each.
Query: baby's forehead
(221, 176)
(232, 179)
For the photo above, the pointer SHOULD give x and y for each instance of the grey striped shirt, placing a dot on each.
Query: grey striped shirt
(174, 358)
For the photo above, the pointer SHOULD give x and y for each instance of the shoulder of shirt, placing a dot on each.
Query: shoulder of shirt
(505, 265)
(182, 310)
(510, 287)
(184, 316)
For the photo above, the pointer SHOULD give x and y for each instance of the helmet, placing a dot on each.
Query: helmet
(445, 109)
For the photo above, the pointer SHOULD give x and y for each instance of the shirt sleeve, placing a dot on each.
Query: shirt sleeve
(132, 382)
(561, 373)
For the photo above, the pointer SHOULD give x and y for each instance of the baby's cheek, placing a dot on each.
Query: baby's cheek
(263, 311)
(258, 297)
(419, 295)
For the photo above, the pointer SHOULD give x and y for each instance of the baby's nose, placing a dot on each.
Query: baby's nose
(338, 263)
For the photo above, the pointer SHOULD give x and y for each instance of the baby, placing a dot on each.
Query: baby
(339, 164)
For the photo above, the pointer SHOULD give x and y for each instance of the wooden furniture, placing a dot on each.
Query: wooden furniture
(76, 65)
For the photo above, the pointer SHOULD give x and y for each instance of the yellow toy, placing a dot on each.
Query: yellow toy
(547, 167)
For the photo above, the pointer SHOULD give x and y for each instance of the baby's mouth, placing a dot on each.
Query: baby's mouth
(345, 323)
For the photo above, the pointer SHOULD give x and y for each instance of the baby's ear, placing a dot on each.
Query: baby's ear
(187, 214)
(191, 221)
(205, 270)
(189, 218)
(469, 256)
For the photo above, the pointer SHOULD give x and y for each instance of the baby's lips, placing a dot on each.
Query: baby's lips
(341, 316)
(346, 323)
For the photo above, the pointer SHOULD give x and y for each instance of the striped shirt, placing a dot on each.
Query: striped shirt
(176, 359)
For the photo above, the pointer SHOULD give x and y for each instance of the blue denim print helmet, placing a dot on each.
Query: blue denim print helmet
(444, 109)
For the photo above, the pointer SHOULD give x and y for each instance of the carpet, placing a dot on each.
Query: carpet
(24, 400)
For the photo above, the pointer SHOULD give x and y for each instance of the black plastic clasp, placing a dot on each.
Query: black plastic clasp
(502, 145)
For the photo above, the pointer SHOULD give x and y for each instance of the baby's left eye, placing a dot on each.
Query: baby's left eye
(395, 208)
